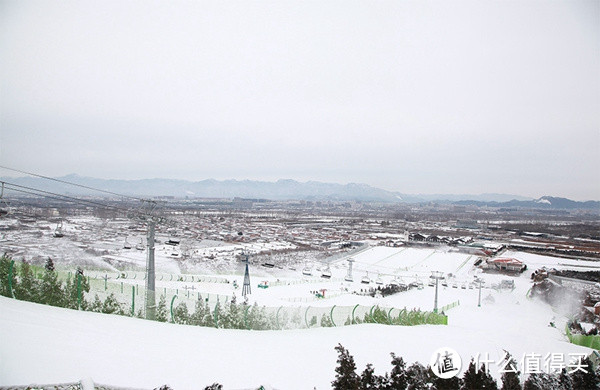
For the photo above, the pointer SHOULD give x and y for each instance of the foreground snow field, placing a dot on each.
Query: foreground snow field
(43, 344)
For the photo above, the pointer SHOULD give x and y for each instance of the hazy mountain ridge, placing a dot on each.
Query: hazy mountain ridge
(545, 202)
(285, 189)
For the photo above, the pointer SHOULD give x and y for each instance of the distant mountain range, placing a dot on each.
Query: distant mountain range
(545, 202)
(284, 189)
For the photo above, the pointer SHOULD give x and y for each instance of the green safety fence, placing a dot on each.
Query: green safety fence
(590, 341)
(449, 306)
(289, 317)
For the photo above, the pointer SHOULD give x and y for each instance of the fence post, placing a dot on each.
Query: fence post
(10, 277)
(305, 318)
(78, 291)
(172, 300)
(105, 282)
(371, 315)
(331, 315)
(353, 310)
(132, 301)
(121, 287)
(389, 315)
(216, 314)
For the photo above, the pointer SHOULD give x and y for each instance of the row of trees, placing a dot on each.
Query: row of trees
(419, 377)
(232, 315)
(22, 283)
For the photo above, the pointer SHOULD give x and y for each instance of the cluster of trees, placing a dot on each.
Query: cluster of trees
(419, 377)
(22, 283)
(230, 315)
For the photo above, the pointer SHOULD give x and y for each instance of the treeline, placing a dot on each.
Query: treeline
(232, 315)
(418, 377)
(20, 282)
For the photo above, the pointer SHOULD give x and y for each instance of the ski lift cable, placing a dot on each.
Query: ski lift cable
(60, 197)
(52, 195)
(70, 183)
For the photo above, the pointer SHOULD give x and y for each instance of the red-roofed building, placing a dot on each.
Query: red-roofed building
(506, 264)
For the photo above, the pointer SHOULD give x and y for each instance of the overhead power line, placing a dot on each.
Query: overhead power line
(71, 183)
(53, 195)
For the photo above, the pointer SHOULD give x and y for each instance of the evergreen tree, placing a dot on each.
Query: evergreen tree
(181, 314)
(28, 287)
(72, 290)
(208, 319)
(585, 378)
(510, 378)
(418, 377)
(161, 310)
(236, 314)
(225, 317)
(96, 305)
(398, 380)
(111, 305)
(368, 379)
(49, 266)
(478, 379)
(565, 380)
(542, 381)
(454, 383)
(253, 317)
(5, 283)
(326, 321)
(217, 323)
(345, 377)
(51, 290)
(198, 314)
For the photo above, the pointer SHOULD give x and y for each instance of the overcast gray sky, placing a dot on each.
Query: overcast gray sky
(410, 96)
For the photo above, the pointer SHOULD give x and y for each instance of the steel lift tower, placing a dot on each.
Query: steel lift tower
(246, 288)
(149, 215)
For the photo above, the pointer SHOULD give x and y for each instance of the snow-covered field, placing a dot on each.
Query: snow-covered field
(42, 344)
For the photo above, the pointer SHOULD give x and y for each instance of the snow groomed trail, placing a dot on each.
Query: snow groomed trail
(43, 344)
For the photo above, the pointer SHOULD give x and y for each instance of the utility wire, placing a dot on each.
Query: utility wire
(72, 184)
(52, 195)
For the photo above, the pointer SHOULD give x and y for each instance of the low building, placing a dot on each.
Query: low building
(508, 265)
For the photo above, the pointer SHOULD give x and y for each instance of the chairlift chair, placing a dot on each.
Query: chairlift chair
(366, 279)
(58, 231)
(140, 246)
(4, 208)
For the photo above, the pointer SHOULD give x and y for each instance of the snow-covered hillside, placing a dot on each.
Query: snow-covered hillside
(43, 344)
